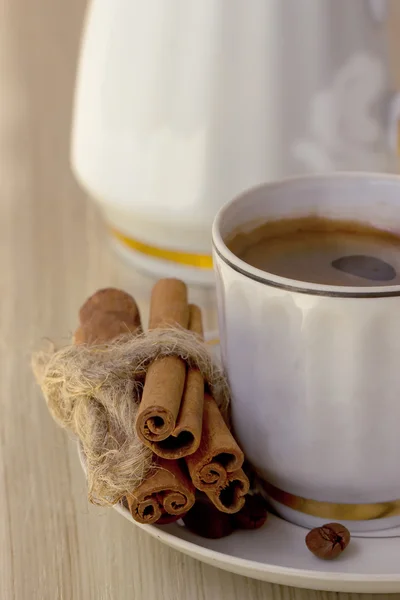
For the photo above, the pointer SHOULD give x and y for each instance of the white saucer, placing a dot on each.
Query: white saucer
(277, 553)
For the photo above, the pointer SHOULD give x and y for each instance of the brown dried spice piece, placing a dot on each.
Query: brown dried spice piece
(218, 455)
(107, 314)
(167, 491)
(328, 541)
(253, 514)
(207, 521)
(104, 327)
(110, 300)
(165, 378)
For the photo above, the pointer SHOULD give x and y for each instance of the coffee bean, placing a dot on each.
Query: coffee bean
(206, 520)
(328, 541)
(253, 514)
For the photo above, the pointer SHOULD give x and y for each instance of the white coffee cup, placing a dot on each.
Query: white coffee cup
(314, 369)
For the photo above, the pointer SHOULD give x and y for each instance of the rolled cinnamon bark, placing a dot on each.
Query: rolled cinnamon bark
(165, 378)
(218, 453)
(186, 435)
(107, 314)
(168, 491)
(169, 305)
(230, 498)
(109, 300)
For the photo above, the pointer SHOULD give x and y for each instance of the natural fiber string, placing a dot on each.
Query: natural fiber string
(95, 391)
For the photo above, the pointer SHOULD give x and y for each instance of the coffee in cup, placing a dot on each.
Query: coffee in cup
(324, 251)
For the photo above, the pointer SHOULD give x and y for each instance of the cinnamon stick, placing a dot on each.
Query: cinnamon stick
(168, 491)
(165, 378)
(218, 454)
(168, 304)
(186, 435)
(230, 498)
(105, 315)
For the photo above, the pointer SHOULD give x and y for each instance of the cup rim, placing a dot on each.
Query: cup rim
(285, 283)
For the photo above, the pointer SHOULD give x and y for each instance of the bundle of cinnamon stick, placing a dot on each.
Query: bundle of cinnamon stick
(177, 417)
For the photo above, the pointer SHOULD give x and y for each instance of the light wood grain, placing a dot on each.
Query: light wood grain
(53, 545)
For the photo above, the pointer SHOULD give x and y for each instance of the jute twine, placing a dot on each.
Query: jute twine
(95, 391)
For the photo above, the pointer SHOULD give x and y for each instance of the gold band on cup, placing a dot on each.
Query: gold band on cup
(334, 511)
(188, 259)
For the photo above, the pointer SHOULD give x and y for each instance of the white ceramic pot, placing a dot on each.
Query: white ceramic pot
(182, 104)
(315, 369)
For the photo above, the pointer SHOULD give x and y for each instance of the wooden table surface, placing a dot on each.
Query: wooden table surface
(53, 545)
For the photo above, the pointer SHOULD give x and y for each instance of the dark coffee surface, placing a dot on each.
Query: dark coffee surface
(316, 250)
